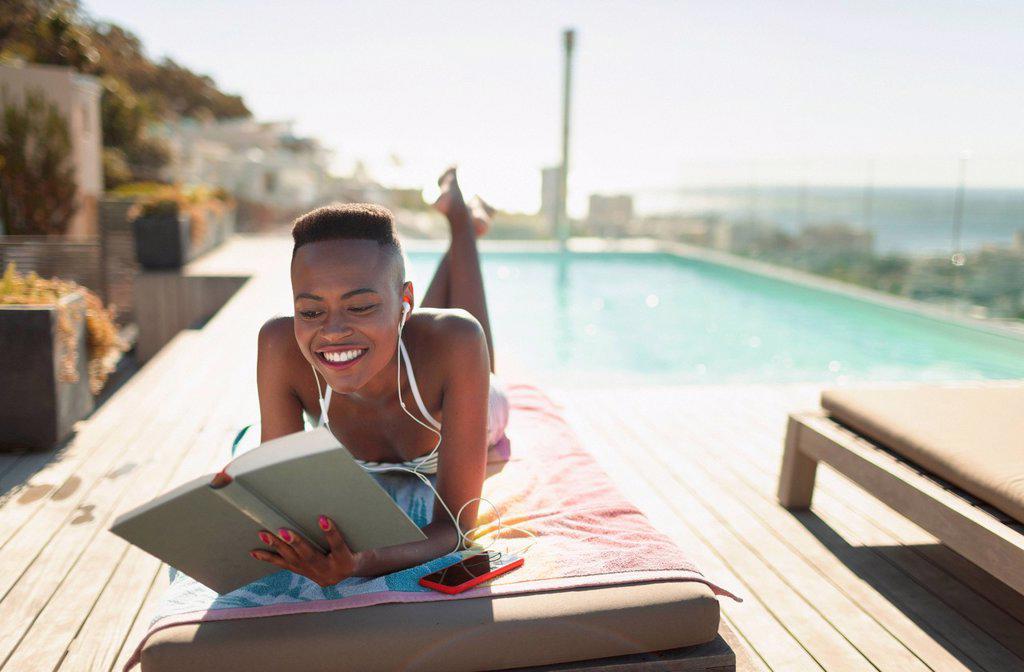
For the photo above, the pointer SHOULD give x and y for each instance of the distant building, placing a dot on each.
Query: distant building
(77, 96)
(609, 215)
(262, 162)
(550, 185)
(694, 230)
(740, 237)
(835, 237)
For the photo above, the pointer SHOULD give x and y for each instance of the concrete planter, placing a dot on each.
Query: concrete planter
(166, 240)
(38, 409)
(162, 240)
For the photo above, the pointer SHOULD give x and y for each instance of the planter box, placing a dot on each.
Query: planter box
(162, 240)
(37, 408)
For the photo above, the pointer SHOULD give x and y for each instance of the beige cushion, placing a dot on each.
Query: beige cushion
(971, 436)
(486, 633)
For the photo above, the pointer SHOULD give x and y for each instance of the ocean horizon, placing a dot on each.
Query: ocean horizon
(907, 220)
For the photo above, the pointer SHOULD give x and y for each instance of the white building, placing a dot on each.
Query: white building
(739, 236)
(77, 97)
(550, 185)
(609, 215)
(262, 162)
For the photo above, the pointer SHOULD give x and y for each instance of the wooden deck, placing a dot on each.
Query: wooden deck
(849, 585)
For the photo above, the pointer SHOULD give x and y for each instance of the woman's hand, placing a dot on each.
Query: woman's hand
(289, 550)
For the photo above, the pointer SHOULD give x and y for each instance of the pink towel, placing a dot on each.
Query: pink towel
(587, 533)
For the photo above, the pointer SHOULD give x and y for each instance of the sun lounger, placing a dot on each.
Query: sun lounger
(600, 586)
(950, 458)
(490, 633)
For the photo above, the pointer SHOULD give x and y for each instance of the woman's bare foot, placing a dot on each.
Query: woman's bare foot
(451, 195)
(481, 212)
(450, 203)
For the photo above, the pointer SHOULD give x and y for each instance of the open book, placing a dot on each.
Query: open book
(206, 530)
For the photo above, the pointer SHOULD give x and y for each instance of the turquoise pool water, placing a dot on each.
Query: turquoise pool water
(660, 319)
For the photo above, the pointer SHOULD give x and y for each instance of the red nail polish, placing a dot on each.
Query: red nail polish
(254, 556)
(324, 524)
(265, 538)
(285, 534)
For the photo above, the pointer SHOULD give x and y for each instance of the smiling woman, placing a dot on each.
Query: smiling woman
(352, 327)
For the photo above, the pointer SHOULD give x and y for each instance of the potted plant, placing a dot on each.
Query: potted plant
(55, 340)
(174, 224)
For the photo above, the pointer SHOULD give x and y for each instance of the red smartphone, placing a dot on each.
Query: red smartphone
(472, 571)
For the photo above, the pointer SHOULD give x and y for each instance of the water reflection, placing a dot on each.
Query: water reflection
(565, 341)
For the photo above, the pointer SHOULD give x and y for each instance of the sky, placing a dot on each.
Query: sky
(665, 94)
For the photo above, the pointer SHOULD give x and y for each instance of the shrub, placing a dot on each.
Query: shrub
(37, 178)
(198, 202)
(102, 335)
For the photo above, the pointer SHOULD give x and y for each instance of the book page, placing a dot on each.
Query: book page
(314, 475)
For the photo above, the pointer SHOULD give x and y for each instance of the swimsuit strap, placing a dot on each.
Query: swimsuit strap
(325, 402)
(415, 388)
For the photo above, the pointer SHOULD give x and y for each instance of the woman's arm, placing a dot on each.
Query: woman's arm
(462, 463)
(280, 408)
(462, 457)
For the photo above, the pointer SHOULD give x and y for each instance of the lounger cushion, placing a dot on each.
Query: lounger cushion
(459, 635)
(971, 436)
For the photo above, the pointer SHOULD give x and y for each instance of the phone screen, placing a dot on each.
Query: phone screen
(461, 572)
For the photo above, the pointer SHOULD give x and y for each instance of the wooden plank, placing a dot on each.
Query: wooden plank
(770, 639)
(33, 596)
(61, 478)
(97, 644)
(965, 529)
(749, 617)
(104, 633)
(923, 544)
(141, 624)
(171, 427)
(46, 640)
(833, 609)
(968, 637)
(746, 661)
(66, 505)
(213, 426)
(41, 648)
(902, 531)
(834, 563)
(980, 581)
(12, 481)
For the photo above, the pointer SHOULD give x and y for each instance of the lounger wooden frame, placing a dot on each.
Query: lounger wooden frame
(985, 536)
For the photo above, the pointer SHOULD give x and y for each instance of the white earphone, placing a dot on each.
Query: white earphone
(465, 540)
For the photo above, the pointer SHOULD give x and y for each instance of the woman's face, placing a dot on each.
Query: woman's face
(348, 307)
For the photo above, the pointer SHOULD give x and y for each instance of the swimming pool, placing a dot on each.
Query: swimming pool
(652, 318)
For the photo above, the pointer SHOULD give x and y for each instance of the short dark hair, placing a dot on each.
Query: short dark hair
(346, 221)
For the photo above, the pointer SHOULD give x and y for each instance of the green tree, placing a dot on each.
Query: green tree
(37, 179)
(136, 90)
(46, 31)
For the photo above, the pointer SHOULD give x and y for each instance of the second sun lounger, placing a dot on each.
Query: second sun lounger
(949, 458)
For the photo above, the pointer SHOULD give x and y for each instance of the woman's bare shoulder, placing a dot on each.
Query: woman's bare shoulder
(446, 334)
(277, 349)
(438, 327)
